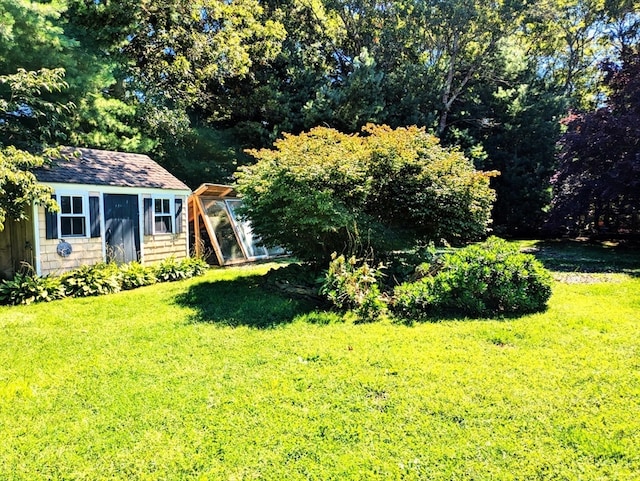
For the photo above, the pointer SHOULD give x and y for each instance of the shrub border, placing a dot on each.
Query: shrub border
(103, 278)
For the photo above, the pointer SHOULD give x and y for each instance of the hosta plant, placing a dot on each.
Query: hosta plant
(26, 288)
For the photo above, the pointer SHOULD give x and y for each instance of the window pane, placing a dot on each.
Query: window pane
(167, 223)
(65, 204)
(250, 242)
(162, 206)
(65, 226)
(78, 225)
(159, 227)
(163, 224)
(77, 205)
(223, 230)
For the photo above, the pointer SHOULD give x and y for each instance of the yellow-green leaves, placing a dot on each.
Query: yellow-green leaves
(18, 186)
(324, 191)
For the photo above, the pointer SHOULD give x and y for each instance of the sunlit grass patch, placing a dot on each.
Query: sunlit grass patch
(219, 378)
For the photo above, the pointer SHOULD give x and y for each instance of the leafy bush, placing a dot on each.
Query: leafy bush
(92, 280)
(418, 183)
(195, 266)
(324, 191)
(26, 288)
(170, 269)
(351, 286)
(488, 278)
(134, 274)
(96, 280)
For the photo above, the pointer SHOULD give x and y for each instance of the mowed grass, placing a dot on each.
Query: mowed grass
(218, 378)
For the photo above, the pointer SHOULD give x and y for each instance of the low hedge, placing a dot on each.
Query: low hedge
(491, 278)
(486, 279)
(95, 280)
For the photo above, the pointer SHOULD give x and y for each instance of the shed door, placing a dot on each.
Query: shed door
(122, 228)
(16, 247)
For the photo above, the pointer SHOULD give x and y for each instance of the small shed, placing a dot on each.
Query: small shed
(114, 206)
(219, 234)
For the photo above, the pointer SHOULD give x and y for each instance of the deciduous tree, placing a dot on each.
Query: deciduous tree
(597, 186)
(26, 120)
(325, 191)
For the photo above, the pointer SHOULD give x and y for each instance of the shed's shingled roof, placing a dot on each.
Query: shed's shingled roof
(102, 167)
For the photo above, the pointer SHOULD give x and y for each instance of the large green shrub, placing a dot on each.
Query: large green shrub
(419, 186)
(308, 193)
(482, 279)
(324, 191)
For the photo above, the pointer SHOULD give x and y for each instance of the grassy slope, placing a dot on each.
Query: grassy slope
(185, 381)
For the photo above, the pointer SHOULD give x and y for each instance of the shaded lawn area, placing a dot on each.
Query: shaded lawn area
(586, 257)
(217, 378)
(246, 301)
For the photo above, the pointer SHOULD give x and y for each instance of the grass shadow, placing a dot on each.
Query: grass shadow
(245, 301)
(455, 315)
(587, 257)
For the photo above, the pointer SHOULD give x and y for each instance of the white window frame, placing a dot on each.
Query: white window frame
(171, 214)
(85, 213)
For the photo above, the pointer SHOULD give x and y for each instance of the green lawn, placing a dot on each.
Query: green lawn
(218, 378)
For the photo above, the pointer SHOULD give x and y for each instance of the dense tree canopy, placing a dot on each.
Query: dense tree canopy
(26, 120)
(194, 83)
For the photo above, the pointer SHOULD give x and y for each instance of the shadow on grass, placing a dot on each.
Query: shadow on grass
(456, 315)
(587, 257)
(245, 301)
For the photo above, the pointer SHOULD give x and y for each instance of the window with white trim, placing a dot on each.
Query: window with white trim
(73, 215)
(162, 215)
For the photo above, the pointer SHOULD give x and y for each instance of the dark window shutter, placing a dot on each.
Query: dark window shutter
(51, 223)
(94, 216)
(148, 216)
(178, 227)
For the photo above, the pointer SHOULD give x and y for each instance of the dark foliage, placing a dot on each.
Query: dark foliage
(597, 186)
